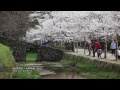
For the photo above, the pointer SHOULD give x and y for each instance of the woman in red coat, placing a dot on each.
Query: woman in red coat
(96, 46)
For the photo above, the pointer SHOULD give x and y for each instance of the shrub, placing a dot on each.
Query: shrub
(25, 74)
(6, 57)
(7, 61)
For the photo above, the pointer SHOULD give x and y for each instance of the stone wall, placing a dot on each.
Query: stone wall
(49, 54)
(18, 48)
(19, 52)
(43, 53)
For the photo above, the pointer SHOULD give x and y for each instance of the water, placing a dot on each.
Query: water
(58, 72)
(63, 75)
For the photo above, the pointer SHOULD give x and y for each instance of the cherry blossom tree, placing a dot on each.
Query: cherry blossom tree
(74, 26)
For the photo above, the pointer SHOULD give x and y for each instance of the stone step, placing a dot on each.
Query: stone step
(46, 72)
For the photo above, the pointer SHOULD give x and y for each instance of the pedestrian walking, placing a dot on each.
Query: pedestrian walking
(99, 52)
(113, 47)
(96, 46)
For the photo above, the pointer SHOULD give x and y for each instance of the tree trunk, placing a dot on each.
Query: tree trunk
(90, 49)
(80, 44)
(105, 55)
(61, 43)
(77, 46)
(41, 42)
(116, 48)
(73, 46)
(55, 43)
(84, 47)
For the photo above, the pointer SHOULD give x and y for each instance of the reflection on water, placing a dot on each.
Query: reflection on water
(62, 75)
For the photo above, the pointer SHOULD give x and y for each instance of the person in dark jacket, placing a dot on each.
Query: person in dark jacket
(46, 43)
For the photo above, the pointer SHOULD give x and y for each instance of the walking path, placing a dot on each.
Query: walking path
(110, 58)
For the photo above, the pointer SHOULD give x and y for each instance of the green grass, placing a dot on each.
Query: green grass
(6, 57)
(25, 74)
(31, 57)
(98, 73)
(89, 70)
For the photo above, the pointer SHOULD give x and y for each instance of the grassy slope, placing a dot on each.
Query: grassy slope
(6, 57)
(89, 70)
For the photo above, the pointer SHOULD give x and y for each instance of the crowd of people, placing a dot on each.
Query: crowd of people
(96, 48)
